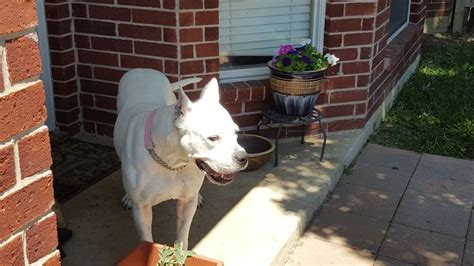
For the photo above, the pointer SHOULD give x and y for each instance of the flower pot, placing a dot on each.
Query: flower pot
(295, 93)
(295, 105)
(147, 254)
(303, 75)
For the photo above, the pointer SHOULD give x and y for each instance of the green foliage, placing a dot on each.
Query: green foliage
(174, 256)
(166, 257)
(434, 113)
(347, 170)
(306, 58)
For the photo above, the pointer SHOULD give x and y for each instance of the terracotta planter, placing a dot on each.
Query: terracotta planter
(147, 254)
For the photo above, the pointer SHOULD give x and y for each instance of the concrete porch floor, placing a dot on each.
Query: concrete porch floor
(253, 219)
(396, 207)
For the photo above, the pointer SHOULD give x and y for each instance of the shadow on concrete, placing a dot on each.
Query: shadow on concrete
(428, 228)
(301, 179)
(104, 231)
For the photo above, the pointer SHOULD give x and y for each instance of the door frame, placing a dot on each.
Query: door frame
(46, 65)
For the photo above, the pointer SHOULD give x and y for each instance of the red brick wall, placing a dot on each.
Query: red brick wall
(100, 40)
(198, 39)
(349, 34)
(112, 38)
(369, 66)
(180, 38)
(439, 8)
(391, 60)
(63, 65)
(357, 33)
(28, 226)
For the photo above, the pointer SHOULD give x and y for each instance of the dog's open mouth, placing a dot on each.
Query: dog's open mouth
(213, 176)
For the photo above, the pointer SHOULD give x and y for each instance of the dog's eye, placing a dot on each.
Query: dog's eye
(213, 138)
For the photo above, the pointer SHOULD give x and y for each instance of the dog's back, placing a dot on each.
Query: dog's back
(144, 88)
(141, 91)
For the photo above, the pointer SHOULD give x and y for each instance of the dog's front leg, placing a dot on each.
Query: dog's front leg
(143, 216)
(185, 211)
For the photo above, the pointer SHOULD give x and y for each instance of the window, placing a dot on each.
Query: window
(251, 31)
(399, 17)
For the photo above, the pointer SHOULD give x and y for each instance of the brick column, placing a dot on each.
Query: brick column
(391, 60)
(63, 65)
(198, 41)
(378, 75)
(350, 31)
(369, 67)
(418, 12)
(28, 226)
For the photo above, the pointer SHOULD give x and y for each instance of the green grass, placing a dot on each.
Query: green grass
(434, 113)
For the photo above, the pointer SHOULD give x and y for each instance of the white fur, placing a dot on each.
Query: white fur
(181, 131)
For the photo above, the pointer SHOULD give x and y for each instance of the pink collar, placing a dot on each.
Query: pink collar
(148, 127)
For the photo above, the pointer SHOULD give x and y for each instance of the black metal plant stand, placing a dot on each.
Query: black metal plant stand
(273, 117)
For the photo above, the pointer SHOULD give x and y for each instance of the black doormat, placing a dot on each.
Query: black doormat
(77, 165)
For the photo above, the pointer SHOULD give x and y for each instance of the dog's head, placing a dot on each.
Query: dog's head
(209, 136)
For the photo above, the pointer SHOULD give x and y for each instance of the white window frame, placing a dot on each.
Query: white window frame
(395, 34)
(261, 72)
(46, 65)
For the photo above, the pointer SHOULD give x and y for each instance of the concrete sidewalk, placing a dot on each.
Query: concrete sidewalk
(396, 207)
(246, 223)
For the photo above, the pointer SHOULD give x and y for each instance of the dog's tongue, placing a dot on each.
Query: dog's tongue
(228, 176)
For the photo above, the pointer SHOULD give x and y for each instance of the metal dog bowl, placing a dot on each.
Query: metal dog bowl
(258, 148)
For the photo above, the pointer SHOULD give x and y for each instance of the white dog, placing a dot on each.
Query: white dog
(167, 146)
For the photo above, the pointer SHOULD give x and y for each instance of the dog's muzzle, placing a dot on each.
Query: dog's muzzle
(213, 176)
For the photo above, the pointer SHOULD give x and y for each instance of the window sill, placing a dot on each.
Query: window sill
(251, 91)
(259, 72)
(245, 91)
(399, 46)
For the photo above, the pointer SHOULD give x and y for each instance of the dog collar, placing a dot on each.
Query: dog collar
(150, 146)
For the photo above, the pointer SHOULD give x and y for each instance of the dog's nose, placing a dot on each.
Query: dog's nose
(241, 157)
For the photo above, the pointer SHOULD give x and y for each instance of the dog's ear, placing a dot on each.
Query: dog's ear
(210, 93)
(183, 104)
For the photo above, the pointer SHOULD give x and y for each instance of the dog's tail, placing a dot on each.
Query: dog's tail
(179, 84)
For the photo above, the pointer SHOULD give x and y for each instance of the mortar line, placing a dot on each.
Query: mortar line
(466, 236)
(377, 253)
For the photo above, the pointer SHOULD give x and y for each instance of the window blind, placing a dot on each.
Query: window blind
(258, 27)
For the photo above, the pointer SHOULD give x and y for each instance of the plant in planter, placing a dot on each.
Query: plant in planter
(296, 75)
(174, 256)
(152, 254)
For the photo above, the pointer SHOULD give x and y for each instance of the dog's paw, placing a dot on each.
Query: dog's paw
(126, 202)
(200, 201)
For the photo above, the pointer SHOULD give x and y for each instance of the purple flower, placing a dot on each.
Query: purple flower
(305, 59)
(286, 61)
(285, 49)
